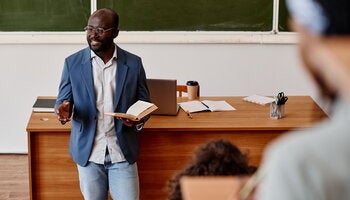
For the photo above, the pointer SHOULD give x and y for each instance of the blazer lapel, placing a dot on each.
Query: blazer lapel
(86, 73)
(122, 70)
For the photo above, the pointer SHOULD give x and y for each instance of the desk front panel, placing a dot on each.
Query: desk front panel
(53, 174)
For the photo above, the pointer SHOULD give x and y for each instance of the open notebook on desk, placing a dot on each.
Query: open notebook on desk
(205, 105)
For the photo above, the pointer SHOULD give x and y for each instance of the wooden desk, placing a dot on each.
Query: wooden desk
(167, 143)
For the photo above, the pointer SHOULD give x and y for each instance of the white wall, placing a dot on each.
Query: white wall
(30, 70)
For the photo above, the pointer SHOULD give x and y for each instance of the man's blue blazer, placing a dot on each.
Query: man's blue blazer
(77, 87)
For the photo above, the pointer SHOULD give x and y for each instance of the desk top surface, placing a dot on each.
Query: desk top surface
(300, 112)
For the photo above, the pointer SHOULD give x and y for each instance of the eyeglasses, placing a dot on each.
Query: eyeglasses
(99, 30)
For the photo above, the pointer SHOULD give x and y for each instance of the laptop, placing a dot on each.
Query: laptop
(163, 95)
(210, 187)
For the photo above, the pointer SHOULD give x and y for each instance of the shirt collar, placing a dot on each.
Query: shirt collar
(93, 54)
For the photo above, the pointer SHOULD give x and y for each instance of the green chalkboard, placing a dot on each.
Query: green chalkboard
(283, 17)
(43, 15)
(192, 15)
(143, 15)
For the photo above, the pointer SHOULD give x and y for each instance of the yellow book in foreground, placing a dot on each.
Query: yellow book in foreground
(137, 111)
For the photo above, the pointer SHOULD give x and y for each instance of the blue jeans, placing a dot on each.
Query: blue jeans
(121, 179)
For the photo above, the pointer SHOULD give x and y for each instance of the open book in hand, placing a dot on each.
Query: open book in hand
(205, 105)
(137, 111)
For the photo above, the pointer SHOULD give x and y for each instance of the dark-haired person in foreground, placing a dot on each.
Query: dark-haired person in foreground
(98, 79)
(216, 158)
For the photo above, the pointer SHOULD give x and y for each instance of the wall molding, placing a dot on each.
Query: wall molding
(166, 37)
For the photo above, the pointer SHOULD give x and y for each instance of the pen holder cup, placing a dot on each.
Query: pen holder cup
(276, 111)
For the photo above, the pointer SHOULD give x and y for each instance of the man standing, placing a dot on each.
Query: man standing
(98, 79)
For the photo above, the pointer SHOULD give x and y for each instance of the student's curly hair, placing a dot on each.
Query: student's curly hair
(216, 158)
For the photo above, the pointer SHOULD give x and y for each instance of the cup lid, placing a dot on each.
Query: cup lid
(191, 83)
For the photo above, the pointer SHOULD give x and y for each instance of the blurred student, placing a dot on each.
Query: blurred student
(216, 158)
(314, 163)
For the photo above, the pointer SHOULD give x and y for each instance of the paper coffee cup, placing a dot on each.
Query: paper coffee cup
(192, 90)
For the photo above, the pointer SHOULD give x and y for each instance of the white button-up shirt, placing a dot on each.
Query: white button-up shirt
(104, 75)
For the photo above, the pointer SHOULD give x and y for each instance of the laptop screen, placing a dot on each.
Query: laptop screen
(163, 94)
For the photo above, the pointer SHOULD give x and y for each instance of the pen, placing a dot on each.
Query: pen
(189, 114)
(205, 105)
(250, 185)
